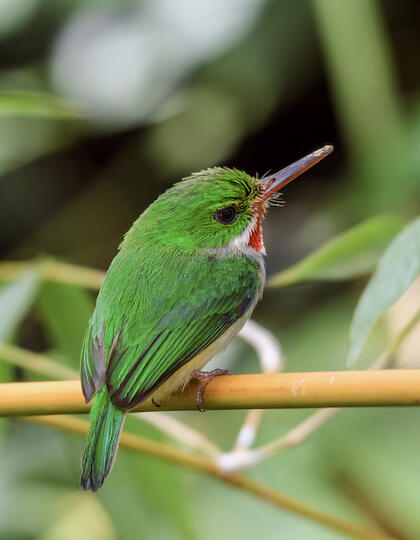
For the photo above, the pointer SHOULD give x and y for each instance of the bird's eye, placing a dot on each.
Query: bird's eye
(226, 215)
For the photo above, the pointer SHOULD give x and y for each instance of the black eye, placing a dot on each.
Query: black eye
(226, 215)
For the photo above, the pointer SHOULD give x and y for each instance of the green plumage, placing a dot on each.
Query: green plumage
(173, 289)
(101, 444)
(169, 324)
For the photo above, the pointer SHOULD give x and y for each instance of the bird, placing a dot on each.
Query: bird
(186, 278)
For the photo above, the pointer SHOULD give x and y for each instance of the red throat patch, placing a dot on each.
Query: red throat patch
(255, 240)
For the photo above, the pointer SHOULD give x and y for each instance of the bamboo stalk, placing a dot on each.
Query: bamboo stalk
(382, 388)
(278, 499)
(59, 272)
(35, 362)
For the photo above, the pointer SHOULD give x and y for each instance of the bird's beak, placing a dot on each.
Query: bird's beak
(274, 182)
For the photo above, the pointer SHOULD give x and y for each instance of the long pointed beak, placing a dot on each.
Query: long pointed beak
(274, 182)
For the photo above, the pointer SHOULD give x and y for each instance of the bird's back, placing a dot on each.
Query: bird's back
(157, 310)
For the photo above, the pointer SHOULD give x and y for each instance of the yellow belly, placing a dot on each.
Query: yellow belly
(183, 375)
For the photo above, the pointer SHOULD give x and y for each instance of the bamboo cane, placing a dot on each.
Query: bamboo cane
(382, 388)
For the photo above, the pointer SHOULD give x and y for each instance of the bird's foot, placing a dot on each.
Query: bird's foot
(155, 403)
(203, 378)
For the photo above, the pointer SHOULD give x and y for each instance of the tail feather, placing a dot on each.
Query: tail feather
(102, 441)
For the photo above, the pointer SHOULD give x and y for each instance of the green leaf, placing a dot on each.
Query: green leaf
(15, 300)
(396, 271)
(37, 105)
(348, 255)
(66, 310)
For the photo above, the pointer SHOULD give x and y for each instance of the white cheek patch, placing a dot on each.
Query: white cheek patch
(241, 242)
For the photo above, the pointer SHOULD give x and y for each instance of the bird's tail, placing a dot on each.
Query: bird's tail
(102, 440)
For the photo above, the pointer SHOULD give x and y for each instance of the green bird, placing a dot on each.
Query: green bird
(187, 277)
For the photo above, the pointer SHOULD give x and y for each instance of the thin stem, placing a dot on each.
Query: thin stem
(241, 456)
(34, 362)
(248, 431)
(295, 436)
(265, 344)
(387, 356)
(270, 356)
(180, 431)
(305, 429)
(280, 500)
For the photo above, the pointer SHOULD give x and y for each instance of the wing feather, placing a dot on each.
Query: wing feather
(144, 343)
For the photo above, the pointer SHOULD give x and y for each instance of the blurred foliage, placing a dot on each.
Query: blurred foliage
(33, 104)
(396, 271)
(103, 105)
(351, 254)
(65, 311)
(16, 299)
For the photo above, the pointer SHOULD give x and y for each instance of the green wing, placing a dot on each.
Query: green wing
(178, 311)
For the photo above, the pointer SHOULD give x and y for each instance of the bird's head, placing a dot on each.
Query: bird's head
(218, 208)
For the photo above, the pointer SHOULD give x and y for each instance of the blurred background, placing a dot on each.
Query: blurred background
(103, 105)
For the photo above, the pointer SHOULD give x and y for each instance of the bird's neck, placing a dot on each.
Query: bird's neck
(250, 240)
(256, 240)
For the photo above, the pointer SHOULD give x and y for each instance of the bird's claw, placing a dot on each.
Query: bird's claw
(203, 378)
